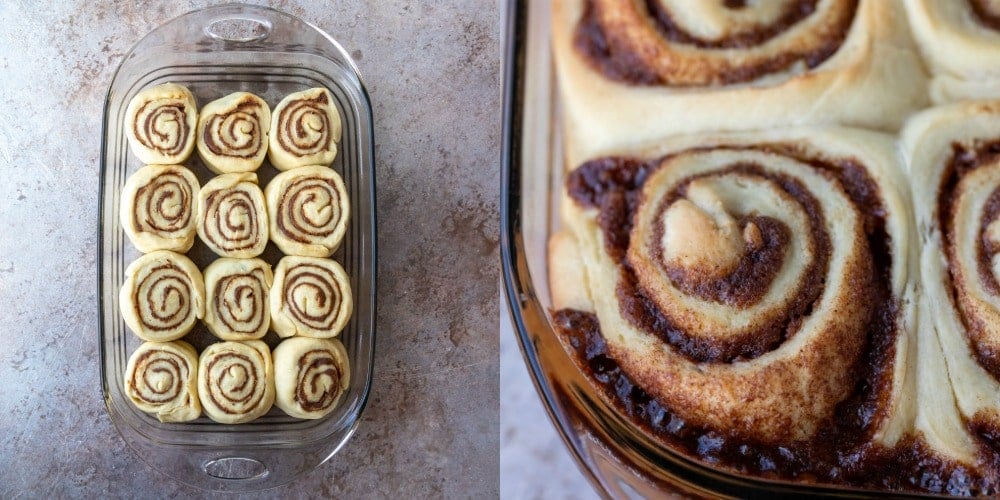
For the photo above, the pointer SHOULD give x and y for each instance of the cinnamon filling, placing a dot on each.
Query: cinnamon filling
(609, 53)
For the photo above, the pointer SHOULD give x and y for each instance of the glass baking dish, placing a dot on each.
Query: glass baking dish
(618, 458)
(216, 51)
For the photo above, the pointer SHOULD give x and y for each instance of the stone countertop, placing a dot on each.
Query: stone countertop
(433, 70)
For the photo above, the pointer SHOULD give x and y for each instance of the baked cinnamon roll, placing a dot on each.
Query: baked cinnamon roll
(232, 216)
(960, 41)
(158, 208)
(311, 375)
(305, 129)
(953, 155)
(308, 209)
(633, 72)
(236, 298)
(311, 297)
(163, 296)
(160, 123)
(232, 133)
(162, 379)
(746, 288)
(236, 381)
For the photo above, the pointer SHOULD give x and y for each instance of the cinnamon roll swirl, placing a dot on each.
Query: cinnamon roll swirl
(163, 296)
(750, 282)
(311, 297)
(236, 381)
(160, 123)
(311, 375)
(628, 70)
(953, 156)
(305, 129)
(308, 209)
(960, 41)
(232, 216)
(232, 133)
(236, 290)
(162, 379)
(158, 207)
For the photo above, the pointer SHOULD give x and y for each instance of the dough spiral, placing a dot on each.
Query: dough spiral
(237, 295)
(236, 381)
(953, 155)
(305, 129)
(308, 209)
(960, 41)
(664, 42)
(162, 379)
(160, 123)
(739, 279)
(232, 133)
(158, 208)
(311, 376)
(232, 216)
(163, 296)
(628, 69)
(311, 297)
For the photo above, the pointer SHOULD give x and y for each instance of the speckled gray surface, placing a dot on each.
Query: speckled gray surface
(534, 462)
(433, 70)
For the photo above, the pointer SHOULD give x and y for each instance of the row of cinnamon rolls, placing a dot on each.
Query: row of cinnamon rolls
(304, 211)
(234, 133)
(237, 382)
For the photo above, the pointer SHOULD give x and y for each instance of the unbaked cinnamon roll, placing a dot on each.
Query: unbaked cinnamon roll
(311, 375)
(232, 216)
(162, 379)
(631, 72)
(232, 133)
(308, 209)
(960, 41)
(236, 298)
(953, 155)
(160, 123)
(163, 296)
(158, 208)
(305, 129)
(236, 381)
(311, 297)
(746, 291)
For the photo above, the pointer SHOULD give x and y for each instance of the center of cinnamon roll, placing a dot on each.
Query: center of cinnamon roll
(710, 252)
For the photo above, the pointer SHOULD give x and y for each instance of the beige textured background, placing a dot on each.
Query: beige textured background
(433, 70)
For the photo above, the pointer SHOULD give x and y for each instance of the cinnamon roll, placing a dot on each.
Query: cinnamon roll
(160, 123)
(308, 209)
(232, 133)
(635, 72)
(163, 296)
(311, 375)
(158, 206)
(960, 41)
(162, 379)
(748, 283)
(953, 156)
(305, 129)
(236, 381)
(311, 297)
(232, 216)
(236, 290)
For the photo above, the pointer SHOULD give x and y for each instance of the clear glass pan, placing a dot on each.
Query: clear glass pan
(619, 458)
(214, 52)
